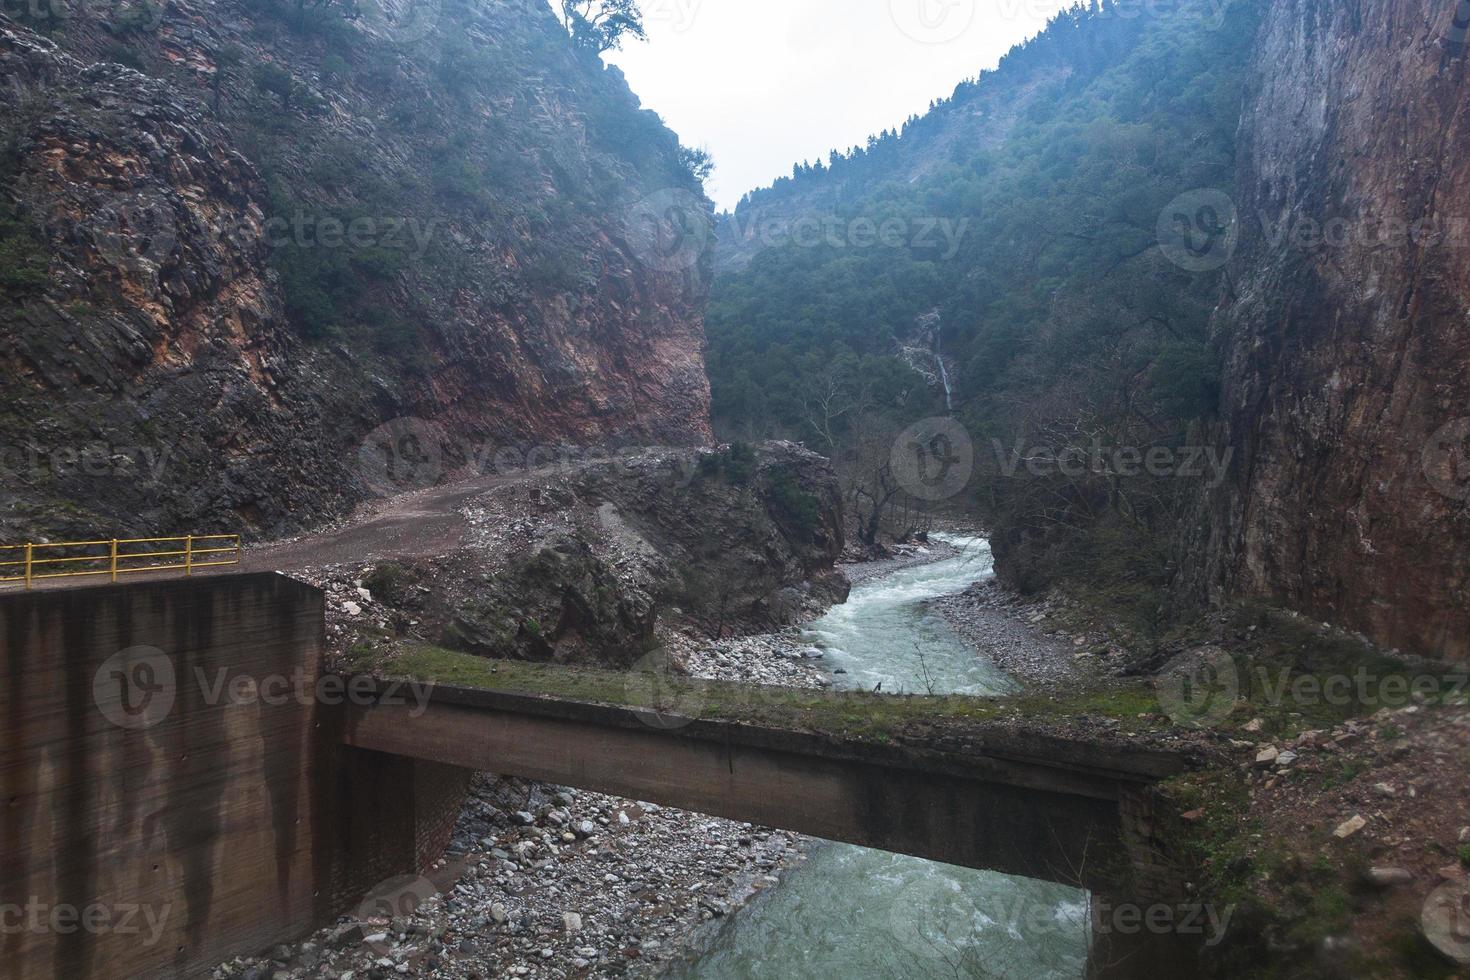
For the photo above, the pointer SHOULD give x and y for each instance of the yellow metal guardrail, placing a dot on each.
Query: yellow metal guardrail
(31, 563)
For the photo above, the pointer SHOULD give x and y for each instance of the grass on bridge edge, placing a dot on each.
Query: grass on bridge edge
(879, 717)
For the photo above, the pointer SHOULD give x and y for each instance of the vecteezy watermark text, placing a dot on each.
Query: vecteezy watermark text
(678, 14)
(942, 236)
(1364, 687)
(89, 460)
(956, 921)
(409, 453)
(1203, 688)
(1076, 462)
(98, 918)
(137, 688)
(1200, 230)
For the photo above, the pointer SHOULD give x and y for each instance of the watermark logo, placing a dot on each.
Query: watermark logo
(1447, 460)
(1199, 230)
(933, 21)
(1446, 920)
(138, 688)
(396, 898)
(135, 688)
(1200, 688)
(661, 695)
(400, 22)
(934, 459)
(137, 234)
(669, 230)
(402, 455)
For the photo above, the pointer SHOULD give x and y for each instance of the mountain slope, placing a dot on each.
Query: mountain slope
(981, 114)
(312, 224)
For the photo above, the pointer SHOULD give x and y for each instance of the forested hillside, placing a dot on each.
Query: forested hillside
(1027, 271)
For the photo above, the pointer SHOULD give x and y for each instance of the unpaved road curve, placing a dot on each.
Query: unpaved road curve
(417, 525)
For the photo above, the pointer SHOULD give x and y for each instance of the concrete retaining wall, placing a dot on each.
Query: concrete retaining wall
(175, 791)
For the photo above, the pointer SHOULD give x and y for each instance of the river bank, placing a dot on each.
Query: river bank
(1010, 632)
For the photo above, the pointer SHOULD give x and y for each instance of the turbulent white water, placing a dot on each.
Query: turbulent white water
(853, 913)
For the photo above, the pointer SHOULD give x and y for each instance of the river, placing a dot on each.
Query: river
(854, 913)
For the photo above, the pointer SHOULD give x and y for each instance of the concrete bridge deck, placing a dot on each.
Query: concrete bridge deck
(1024, 804)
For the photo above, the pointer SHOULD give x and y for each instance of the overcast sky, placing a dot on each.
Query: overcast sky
(764, 83)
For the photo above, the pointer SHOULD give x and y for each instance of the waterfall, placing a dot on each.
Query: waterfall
(943, 371)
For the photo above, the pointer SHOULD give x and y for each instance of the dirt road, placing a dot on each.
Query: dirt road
(416, 525)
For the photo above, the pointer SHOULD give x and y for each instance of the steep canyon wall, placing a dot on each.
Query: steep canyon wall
(1346, 393)
(236, 238)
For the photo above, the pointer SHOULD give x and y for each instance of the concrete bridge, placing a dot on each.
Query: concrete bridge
(1022, 804)
(174, 746)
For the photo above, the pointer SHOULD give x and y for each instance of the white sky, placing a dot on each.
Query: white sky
(762, 84)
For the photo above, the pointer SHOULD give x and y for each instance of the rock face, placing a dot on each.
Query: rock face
(749, 541)
(584, 567)
(1347, 380)
(290, 228)
(160, 349)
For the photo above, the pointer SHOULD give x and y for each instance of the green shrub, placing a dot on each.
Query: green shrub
(121, 54)
(335, 70)
(389, 583)
(735, 464)
(799, 508)
(23, 262)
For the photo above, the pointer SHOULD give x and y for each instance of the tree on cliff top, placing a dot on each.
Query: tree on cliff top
(601, 25)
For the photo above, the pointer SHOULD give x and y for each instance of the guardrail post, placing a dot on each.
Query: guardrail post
(189, 555)
(239, 550)
(113, 555)
(29, 548)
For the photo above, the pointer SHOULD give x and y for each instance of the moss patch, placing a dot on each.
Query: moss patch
(853, 715)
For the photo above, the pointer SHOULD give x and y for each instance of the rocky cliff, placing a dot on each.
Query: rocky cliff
(1347, 336)
(237, 238)
(585, 565)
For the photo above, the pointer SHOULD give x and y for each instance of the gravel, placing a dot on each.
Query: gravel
(904, 556)
(779, 659)
(1013, 634)
(594, 886)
